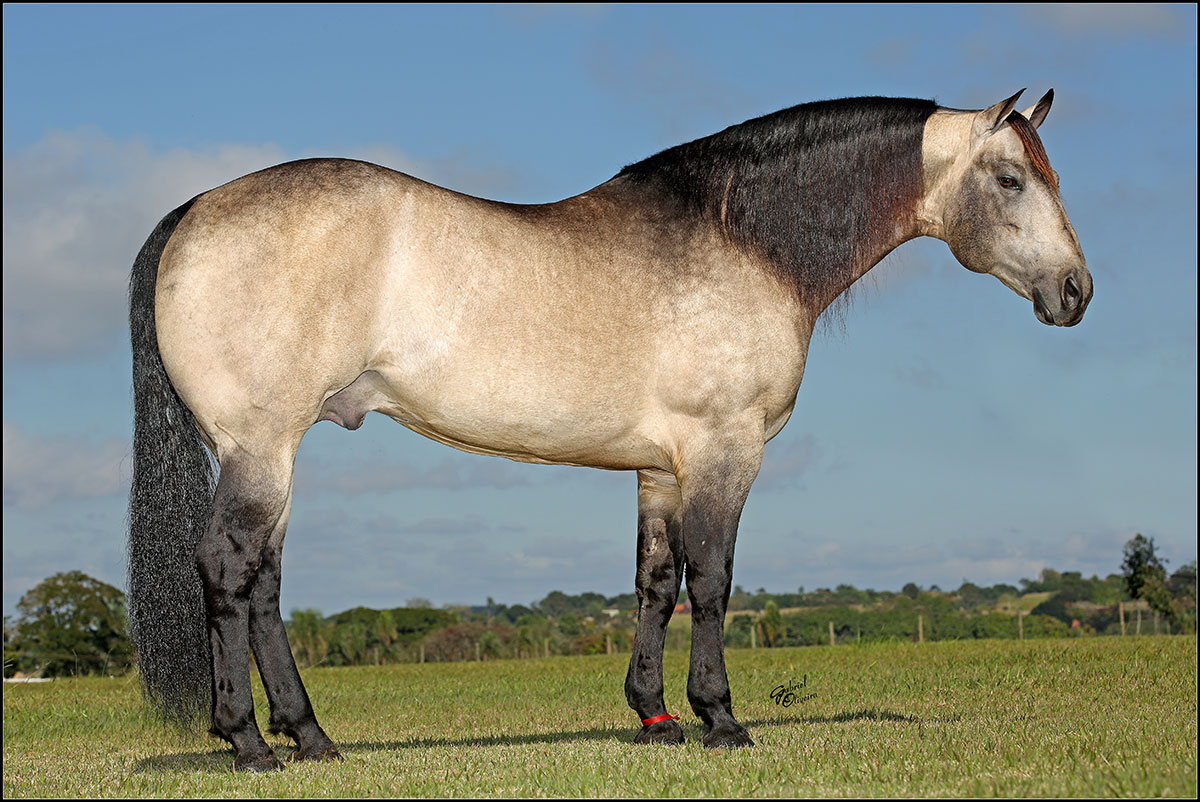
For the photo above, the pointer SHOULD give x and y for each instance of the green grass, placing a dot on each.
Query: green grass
(1079, 717)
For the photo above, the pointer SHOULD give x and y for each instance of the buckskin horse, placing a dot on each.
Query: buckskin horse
(658, 323)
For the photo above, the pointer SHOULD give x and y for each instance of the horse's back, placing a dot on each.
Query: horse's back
(536, 332)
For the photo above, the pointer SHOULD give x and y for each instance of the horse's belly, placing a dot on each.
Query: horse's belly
(627, 452)
(516, 421)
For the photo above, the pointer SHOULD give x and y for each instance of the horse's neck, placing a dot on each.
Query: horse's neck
(819, 264)
(869, 252)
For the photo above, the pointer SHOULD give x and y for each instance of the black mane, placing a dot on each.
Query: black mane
(811, 188)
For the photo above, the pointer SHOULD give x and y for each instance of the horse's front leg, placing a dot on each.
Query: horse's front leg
(715, 484)
(248, 505)
(659, 572)
(291, 710)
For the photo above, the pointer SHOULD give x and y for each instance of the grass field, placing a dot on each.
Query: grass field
(1080, 717)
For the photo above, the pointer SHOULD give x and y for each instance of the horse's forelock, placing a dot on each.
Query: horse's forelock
(1033, 147)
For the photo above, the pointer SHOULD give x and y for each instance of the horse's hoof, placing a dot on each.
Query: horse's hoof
(728, 736)
(258, 765)
(660, 732)
(317, 754)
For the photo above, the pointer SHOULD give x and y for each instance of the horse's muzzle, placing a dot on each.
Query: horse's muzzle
(1074, 294)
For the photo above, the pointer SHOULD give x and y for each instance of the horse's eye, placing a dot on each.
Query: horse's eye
(1008, 182)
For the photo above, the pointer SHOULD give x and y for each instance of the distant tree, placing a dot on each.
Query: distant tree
(1183, 581)
(1001, 589)
(384, 634)
(348, 645)
(623, 602)
(1146, 578)
(490, 645)
(556, 604)
(911, 590)
(70, 624)
(969, 595)
(1048, 581)
(1056, 607)
(770, 626)
(759, 600)
(1182, 585)
(454, 643)
(848, 594)
(515, 613)
(568, 624)
(308, 633)
(589, 603)
(1051, 579)
(1141, 567)
(739, 599)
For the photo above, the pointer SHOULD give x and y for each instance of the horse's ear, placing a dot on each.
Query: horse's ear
(1037, 112)
(989, 121)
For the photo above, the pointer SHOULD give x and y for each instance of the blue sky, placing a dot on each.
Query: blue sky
(941, 434)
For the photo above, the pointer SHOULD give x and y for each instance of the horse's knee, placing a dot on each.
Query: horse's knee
(657, 562)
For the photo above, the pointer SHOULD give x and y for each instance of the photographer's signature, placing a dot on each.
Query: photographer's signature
(792, 693)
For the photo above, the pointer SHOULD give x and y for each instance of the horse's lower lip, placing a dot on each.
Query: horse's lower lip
(1039, 308)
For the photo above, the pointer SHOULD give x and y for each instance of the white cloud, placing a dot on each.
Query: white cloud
(800, 558)
(1126, 19)
(77, 207)
(42, 470)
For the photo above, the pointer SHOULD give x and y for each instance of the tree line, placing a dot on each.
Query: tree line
(72, 624)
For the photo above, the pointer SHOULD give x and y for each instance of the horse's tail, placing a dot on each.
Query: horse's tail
(170, 503)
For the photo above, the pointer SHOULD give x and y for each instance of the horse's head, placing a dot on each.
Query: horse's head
(991, 195)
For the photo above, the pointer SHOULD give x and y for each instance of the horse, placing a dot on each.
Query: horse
(657, 323)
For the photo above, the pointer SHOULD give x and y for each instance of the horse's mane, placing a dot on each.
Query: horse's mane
(810, 188)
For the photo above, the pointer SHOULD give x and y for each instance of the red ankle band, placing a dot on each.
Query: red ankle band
(656, 719)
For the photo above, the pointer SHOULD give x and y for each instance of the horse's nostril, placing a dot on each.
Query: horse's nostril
(1070, 293)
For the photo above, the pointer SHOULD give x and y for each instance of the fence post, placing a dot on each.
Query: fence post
(753, 645)
(1138, 631)
(1020, 624)
(478, 657)
(920, 628)
(1121, 609)
(546, 646)
(831, 641)
(608, 643)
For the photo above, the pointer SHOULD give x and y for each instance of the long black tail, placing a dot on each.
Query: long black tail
(170, 504)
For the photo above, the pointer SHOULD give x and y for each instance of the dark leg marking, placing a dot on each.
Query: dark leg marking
(659, 572)
(291, 710)
(245, 512)
(710, 529)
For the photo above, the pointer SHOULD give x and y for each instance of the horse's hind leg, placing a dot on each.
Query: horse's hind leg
(250, 503)
(659, 571)
(291, 711)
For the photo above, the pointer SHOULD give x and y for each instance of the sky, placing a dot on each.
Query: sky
(942, 433)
